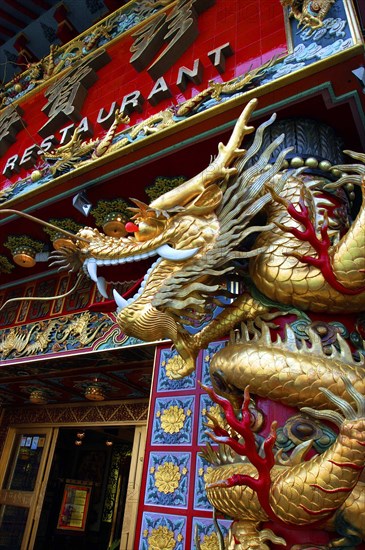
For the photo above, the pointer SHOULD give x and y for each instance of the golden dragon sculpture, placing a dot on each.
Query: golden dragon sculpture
(265, 487)
(194, 231)
(79, 152)
(287, 231)
(309, 13)
(301, 257)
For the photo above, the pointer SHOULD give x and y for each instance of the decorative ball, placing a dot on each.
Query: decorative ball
(336, 172)
(297, 162)
(311, 162)
(325, 165)
(36, 175)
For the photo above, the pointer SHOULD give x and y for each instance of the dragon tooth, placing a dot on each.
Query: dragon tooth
(101, 284)
(168, 253)
(120, 301)
(92, 270)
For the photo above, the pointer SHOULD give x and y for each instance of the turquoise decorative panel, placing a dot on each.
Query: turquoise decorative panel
(167, 532)
(200, 499)
(206, 405)
(207, 357)
(173, 421)
(167, 481)
(169, 366)
(207, 535)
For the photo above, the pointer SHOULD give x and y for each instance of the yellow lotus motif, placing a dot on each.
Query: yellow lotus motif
(175, 367)
(161, 539)
(172, 419)
(210, 542)
(167, 478)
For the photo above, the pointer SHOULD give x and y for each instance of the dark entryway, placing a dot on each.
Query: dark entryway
(84, 501)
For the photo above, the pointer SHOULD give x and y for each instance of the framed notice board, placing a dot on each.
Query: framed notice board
(74, 507)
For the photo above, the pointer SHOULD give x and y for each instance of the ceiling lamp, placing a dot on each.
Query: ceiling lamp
(114, 225)
(24, 249)
(111, 215)
(25, 256)
(58, 238)
(38, 396)
(95, 391)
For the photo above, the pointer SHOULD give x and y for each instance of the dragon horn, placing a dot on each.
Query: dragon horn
(142, 206)
(45, 224)
(217, 170)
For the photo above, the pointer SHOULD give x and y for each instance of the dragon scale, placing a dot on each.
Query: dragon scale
(295, 374)
(285, 372)
(286, 279)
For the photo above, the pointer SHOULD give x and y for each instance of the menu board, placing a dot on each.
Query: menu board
(75, 503)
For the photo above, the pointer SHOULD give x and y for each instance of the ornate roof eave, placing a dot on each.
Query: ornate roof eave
(167, 131)
(70, 47)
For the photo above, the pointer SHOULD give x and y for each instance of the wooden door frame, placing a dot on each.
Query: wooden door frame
(121, 413)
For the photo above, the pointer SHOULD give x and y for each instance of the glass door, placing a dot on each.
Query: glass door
(24, 470)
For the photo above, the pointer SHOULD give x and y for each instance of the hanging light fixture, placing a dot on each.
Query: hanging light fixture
(95, 391)
(38, 397)
(114, 225)
(58, 238)
(24, 249)
(111, 215)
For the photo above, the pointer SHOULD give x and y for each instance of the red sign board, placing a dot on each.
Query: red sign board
(230, 39)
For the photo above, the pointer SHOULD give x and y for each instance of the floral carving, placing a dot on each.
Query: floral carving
(172, 419)
(174, 366)
(161, 539)
(210, 542)
(167, 478)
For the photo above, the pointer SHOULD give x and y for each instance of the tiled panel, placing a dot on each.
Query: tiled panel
(168, 479)
(173, 480)
(167, 532)
(206, 533)
(170, 364)
(200, 500)
(207, 357)
(173, 421)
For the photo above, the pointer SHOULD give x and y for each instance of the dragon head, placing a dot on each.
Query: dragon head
(180, 248)
(309, 13)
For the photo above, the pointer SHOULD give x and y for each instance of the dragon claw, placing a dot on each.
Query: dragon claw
(348, 412)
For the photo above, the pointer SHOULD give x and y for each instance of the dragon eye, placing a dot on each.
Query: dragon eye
(314, 6)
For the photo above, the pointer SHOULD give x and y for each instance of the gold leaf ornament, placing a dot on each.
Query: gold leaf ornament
(174, 366)
(172, 419)
(210, 542)
(167, 478)
(161, 539)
